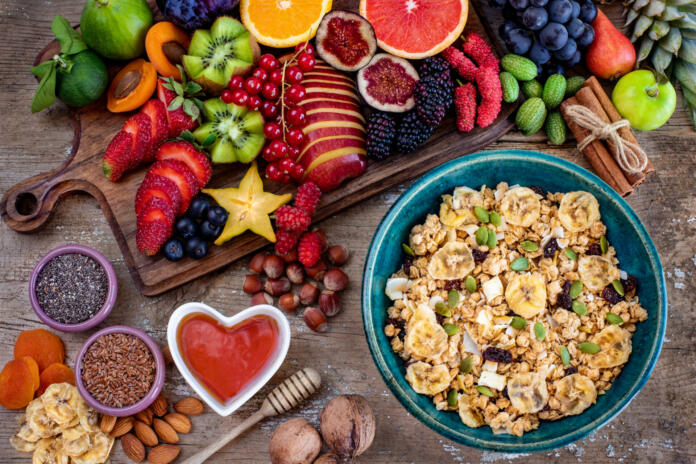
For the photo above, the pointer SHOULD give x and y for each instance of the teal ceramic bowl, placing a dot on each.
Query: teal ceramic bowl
(626, 233)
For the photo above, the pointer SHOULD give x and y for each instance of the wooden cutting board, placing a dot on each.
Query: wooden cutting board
(27, 206)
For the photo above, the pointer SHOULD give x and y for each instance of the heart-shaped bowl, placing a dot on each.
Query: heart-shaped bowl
(271, 367)
(625, 232)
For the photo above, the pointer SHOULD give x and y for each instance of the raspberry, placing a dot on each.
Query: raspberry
(459, 61)
(491, 92)
(292, 219)
(381, 130)
(465, 104)
(480, 51)
(309, 249)
(285, 241)
(307, 197)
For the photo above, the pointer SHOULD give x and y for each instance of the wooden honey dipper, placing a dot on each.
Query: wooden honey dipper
(290, 393)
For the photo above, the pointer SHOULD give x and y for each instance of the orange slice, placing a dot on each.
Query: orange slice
(283, 23)
(415, 29)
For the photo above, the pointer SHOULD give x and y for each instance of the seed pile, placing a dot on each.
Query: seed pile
(118, 370)
(71, 288)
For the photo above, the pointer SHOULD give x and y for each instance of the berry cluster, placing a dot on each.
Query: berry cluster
(203, 223)
(292, 223)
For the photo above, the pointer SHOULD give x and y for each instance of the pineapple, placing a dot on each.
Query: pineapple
(667, 33)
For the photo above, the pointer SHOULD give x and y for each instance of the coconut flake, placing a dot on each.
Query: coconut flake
(490, 366)
(500, 236)
(396, 287)
(470, 229)
(546, 239)
(563, 243)
(470, 345)
(623, 274)
(492, 380)
(558, 232)
(492, 288)
(434, 301)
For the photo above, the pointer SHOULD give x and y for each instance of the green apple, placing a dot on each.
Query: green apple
(645, 102)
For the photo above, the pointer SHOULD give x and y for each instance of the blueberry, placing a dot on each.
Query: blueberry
(576, 9)
(510, 13)
(497, 4)
(567, 52)
(196, 248)
(217, 215)
(587, 37)
(538, 2)
(199, 207)
(539, 54)
(519, 4)
(185, 227)
(560, 11)
(173, 250)
(534, 18)
(574, 60)
(554, 36)
(505, 28)
(575, 28)
(519, 41)
(209, 231)
(588, 11)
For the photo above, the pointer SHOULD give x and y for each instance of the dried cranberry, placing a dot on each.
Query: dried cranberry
(538, 190)
(398, 325)
(611, 295)
(479, 256)
(594, 249)
(408, 262)
(453, 284)
(564, 301)
(570, 370)
(551, 248)
(630, 283)
(495, 354)
(566, 287)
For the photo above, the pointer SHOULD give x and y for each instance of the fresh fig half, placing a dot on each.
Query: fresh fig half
(387, 83)
(345, 40)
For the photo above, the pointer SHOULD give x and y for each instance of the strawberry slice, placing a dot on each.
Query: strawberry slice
(154, 226)
(140, 128)
(178, 120)
(118, 156)
(197, 161)
(158, 186)
(152, 204)
(157, 112)
(181, 175)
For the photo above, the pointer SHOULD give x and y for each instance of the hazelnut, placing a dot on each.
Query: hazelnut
(329, 303)
(256, 263)
(308, 293)
(335, 280)
(273, 266)
(262, 298)
(337, 255)
(317, 271)
(289, 302)
(295, 273)
(252, 284)
(277, 287)
(315, 319)
(290, 256)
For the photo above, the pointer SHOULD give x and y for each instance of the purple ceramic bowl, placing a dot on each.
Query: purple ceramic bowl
(157, 384)
(100, 315)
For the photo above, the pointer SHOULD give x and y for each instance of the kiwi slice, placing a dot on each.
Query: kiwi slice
(238, 132)
(216, 55)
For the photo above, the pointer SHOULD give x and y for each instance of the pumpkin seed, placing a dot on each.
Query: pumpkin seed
(495, 218)
(492, 239)
(565, 356)
(618, 286)
(539, 331)
(520, 264)
(452, 397)
(407, 249)
(579, 308)
(614, 319)
(571, 254)
(482, 235)
(481, 214)
(453, 298)
(451, 329)
(484, 390)
(470, 284)
(529, 246)
(575, 289)
(603, 244)
(518, 323)
(589, 347)
(443, 310)
(466, 365)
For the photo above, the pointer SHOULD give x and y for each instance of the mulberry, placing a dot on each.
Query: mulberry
(381, 131)
(466, 68)
(465, 104)
(411, 132)
(433, 98)
(491, 92)
(480, 52)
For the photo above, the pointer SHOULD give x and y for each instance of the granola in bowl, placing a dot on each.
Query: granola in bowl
(511, 308)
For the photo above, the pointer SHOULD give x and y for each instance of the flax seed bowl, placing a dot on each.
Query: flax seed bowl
(73, 288)
(119, 371)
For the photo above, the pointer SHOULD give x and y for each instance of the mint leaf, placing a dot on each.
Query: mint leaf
(45, 94)
(69, 39)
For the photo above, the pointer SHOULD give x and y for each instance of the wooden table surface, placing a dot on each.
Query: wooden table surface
(658, 426)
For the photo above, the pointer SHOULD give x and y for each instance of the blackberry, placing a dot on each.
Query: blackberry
(433, 66)
(434, 96)
(381, 130)
(411, 132)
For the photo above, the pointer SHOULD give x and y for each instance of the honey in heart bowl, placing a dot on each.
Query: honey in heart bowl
(226, 360)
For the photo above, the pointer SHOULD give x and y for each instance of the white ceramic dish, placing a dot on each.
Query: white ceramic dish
(227, 408)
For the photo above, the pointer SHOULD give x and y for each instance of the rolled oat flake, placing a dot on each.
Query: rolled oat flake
(71, 288)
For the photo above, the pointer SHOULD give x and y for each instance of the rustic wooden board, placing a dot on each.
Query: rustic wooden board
(28, 205)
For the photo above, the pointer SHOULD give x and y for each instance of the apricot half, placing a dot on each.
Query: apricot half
(132, 86)
(165, 44)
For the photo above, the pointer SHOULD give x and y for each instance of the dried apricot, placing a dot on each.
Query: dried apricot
(34, 368)
(55, 373)
(46, 348)
(16, 385)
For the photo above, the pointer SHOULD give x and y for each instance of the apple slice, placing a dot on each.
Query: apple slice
(319, 147)
(329, 174)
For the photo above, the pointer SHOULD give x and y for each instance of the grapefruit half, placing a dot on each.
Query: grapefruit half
(415, 29)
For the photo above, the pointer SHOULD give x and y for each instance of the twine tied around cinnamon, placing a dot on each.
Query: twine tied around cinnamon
(629, 156)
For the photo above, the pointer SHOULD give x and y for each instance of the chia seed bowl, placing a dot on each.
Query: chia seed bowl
(157, 382)
(109, 299)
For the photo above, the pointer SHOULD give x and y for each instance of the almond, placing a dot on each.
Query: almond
(159, 406)
(179, 422)
(133, 447)
(107, 423)
(122, 426)
(145, 416)
(165, 431)
(163, 454)
(189, 406)
(146, 434)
